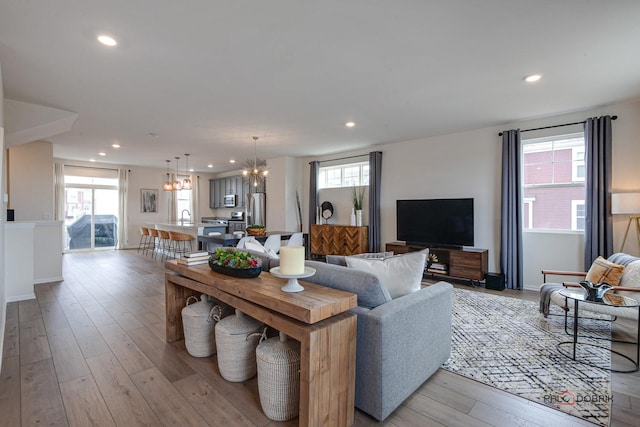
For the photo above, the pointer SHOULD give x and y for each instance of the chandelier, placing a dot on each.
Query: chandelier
(177, 184)
(255, 171)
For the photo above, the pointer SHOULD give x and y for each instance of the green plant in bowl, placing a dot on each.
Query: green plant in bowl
(233, 258)
(233, 262)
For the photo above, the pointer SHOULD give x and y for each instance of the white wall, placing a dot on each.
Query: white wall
(3, 207)
(31, 181)
(468, 164)
(282, 183)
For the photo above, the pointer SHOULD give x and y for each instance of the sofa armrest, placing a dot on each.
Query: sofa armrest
(401, 343)
(561, 273)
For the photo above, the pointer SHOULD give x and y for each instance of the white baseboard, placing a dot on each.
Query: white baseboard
(48, 280)
(23, 297)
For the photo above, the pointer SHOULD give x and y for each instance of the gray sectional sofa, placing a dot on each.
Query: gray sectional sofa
(400, 342)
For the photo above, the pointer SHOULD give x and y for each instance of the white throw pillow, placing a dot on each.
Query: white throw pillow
(631, 279)
(401, 275)
(254, 246)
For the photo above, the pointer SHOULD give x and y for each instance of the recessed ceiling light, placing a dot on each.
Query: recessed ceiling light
(115, 145)
(92, 160)
(209, 166)
(107, 40)
(533, 78)
(191, 169)
(350, 124)
(102, 153)
(232, 161)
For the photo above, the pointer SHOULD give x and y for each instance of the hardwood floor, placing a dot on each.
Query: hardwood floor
(90, 351)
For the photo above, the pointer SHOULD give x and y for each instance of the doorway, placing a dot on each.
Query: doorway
(91, 212)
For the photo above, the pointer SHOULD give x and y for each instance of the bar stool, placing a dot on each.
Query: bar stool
(144, 240)
(178, 242)
(164, 245)
(153, 244)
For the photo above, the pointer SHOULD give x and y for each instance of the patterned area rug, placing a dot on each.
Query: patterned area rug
(506, 343)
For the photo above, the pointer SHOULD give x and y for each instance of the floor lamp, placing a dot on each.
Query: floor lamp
(627, 203)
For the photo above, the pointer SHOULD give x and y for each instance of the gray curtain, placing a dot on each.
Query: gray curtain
(598, 229)
(511, 226)
(375, 170)
(314, 170)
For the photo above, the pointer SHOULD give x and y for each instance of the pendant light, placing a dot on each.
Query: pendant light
(255, 171)
(186, 183)
(167, 186)
(177, 185)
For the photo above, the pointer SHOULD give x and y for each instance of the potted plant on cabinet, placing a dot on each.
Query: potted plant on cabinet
(357, 198)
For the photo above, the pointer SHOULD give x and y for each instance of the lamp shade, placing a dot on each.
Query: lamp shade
(625, 203)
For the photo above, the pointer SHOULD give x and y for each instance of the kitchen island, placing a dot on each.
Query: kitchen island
(193, 229)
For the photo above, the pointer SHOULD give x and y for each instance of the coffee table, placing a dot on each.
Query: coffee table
(578, 297)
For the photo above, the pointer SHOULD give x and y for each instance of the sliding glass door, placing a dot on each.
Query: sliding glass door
(91, 212)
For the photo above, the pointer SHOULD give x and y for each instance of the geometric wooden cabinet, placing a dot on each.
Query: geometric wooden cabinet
(339, 239)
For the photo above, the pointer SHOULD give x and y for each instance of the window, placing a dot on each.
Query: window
(577, 214)
(553, 182)
(353, 174)
(184, 201)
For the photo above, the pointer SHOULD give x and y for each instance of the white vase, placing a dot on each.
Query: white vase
(359, 218)
(352, 220)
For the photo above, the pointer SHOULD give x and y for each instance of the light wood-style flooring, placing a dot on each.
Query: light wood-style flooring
(90, 351)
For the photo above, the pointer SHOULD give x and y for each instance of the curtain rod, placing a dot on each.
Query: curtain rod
(342, 158)
(557, 126)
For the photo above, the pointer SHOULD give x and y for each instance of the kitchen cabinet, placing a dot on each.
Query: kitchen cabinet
(220, 187)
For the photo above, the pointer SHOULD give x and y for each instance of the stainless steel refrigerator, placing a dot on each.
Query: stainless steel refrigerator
(256, 209)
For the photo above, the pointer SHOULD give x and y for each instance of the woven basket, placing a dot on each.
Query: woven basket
(278, 362)
(237, 337)
(256, 231)
(199, 322)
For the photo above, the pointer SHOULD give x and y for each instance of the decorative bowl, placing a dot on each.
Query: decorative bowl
(256, 231)
(242, 273)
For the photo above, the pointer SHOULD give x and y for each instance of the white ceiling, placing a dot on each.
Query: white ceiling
(206, 75)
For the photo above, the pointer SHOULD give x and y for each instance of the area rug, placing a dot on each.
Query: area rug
(506, 343)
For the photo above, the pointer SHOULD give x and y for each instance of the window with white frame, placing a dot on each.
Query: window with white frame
(553, 182)
(577, 214)
(349, 175)
(184, 200)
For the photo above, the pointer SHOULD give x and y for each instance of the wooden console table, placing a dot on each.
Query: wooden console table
(317, 317)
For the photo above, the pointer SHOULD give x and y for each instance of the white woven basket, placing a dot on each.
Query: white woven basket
(198, 322)
(237, 337)
(278, 361)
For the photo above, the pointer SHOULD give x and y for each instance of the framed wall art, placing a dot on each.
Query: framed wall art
(148, 200)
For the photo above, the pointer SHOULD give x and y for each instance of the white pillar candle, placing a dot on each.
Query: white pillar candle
(292, 260)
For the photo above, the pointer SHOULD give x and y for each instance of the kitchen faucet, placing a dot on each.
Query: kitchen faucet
(182, 215)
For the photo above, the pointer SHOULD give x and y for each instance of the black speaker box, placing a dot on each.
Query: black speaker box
(10, 215)
(494, 281)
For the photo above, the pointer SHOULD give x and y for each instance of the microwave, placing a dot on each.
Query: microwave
(230, 201)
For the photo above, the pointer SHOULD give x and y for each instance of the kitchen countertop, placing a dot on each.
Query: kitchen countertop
(188, 224)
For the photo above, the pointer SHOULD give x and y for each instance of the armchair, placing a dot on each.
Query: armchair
(629, 286)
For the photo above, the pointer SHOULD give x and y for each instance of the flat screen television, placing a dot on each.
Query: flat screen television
(435, 222)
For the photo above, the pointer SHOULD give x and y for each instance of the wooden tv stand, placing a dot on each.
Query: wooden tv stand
(469, 264)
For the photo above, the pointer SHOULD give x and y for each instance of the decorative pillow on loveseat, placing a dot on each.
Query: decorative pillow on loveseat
(401, 275)
(604, 271)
